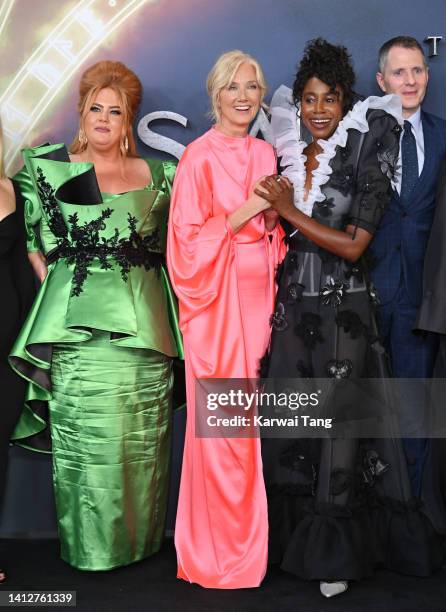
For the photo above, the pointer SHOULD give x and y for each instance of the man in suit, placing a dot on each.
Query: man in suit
(399, 245)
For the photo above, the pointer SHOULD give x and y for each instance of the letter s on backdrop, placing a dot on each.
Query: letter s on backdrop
(156, 141)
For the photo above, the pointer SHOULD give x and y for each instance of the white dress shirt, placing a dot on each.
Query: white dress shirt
(417, 131)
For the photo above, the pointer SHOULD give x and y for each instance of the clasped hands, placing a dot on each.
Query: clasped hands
(278, 191)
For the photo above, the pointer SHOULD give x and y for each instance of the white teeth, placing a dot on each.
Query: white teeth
(320, 120)
(242, 108)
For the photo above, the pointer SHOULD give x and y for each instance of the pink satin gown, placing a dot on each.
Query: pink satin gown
(225, 286)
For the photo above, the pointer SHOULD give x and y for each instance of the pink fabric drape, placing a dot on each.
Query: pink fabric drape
(225, 286)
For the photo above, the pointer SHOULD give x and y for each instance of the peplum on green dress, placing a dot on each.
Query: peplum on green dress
(97, 350)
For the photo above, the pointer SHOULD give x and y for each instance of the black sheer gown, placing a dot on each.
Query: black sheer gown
(338, 507)
(18, 289)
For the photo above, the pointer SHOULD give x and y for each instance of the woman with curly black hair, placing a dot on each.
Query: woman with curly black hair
(338, 506)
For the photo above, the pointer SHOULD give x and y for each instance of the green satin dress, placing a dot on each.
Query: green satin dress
(97, 350)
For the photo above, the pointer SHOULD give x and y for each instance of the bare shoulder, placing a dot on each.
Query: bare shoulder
(138, 169)
(136, 164)
(7, 197)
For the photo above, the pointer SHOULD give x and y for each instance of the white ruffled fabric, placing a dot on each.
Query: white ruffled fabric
(285, 125)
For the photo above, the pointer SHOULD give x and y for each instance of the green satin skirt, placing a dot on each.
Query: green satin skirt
(110, 416)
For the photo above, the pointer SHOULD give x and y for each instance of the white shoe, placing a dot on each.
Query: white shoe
(330, 589)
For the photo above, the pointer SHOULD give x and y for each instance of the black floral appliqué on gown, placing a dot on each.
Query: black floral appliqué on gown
(339, 507)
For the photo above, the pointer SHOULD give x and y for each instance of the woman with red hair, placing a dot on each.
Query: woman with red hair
(98, 344)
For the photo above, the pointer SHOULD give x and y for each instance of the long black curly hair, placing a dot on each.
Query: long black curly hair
(330, 64)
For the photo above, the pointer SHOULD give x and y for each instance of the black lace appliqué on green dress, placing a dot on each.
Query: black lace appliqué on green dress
(85, 244)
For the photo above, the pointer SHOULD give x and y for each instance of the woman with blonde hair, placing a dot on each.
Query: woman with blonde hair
(99, 341)
(17, 295)
(222, 251)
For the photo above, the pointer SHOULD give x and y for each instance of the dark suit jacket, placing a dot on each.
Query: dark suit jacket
(432, 315)
(399, 245)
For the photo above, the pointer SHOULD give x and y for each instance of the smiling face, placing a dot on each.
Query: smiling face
(321, 108)
(103, 123)
(406, 75)
(239, 101)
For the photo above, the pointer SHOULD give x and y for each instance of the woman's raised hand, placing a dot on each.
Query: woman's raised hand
(256, 195)
(278, 191)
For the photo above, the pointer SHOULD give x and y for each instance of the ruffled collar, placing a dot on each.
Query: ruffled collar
(285, 125)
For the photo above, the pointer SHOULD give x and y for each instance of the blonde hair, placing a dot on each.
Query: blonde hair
(116, 76)
(2, 166)
(223, 72)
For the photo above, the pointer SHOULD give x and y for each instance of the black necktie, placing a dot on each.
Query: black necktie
(409, 161)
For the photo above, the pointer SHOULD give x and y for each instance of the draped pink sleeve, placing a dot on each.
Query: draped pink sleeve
(225, 286)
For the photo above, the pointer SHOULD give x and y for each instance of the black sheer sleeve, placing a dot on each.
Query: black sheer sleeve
(376, 166)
